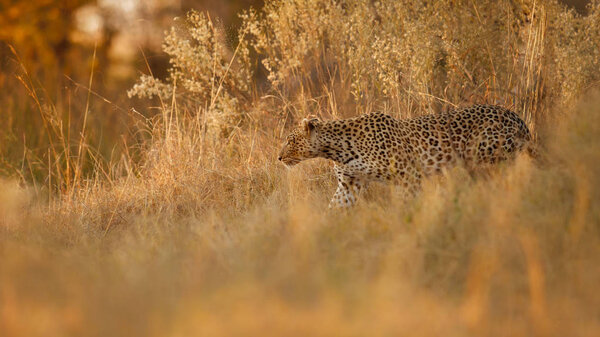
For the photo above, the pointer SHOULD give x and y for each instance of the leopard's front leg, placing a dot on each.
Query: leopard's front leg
(349, 188)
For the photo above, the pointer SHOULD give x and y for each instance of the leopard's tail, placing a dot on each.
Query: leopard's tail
(531, 147)
(532, 150)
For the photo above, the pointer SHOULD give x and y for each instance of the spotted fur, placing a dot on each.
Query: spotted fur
(378, 147)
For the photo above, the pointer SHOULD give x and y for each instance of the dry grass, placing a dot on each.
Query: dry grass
(208, 235)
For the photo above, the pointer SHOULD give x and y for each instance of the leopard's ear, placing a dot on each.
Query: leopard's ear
(309, 125)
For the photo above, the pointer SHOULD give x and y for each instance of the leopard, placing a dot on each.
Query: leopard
(375, 146)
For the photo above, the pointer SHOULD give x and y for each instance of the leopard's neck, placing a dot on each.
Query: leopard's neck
(336, 142)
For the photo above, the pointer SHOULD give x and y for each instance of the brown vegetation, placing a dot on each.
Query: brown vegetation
(194, 228)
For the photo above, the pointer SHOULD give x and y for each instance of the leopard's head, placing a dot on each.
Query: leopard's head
(302, 143)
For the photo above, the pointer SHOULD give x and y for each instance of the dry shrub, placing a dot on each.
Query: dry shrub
(403, 57)
(413, 57)
(204, 75)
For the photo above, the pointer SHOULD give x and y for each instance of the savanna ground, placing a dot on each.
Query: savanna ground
(167, 214)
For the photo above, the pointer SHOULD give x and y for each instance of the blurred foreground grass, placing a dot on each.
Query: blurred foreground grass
(512, 253)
